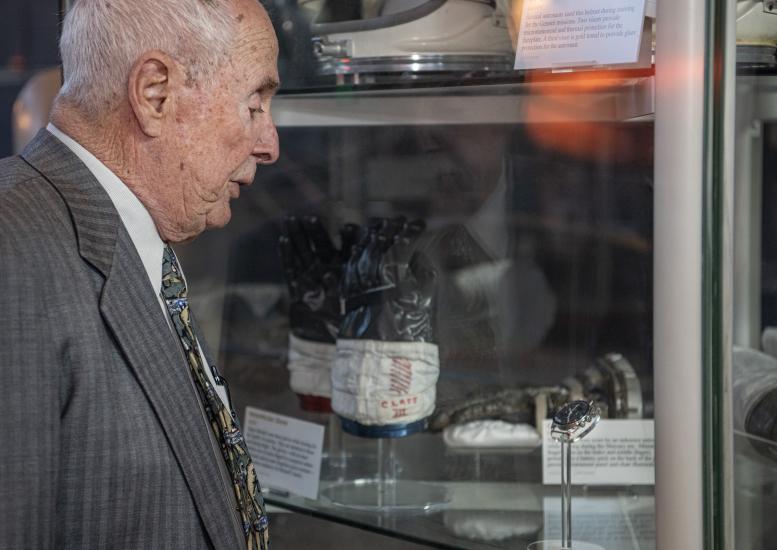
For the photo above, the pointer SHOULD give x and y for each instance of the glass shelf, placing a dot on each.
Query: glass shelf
(591, 97)
(484, 515)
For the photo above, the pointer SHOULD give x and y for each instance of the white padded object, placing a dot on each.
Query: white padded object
(310, 366)
(380, 383)
(491, 433)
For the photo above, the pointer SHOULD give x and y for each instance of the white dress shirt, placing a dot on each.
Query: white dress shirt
(138, 223)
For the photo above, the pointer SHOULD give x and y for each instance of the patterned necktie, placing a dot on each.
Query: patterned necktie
(250, 504)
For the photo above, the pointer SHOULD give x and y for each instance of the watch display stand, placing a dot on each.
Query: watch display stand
(571, 423)
(557, 545)
(337, 459)
(385, 491)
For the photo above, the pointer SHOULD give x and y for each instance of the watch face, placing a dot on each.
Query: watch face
(571, 412)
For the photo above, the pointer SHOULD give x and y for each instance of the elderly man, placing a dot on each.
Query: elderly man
(115, 430)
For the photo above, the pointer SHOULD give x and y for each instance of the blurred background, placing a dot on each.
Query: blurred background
(28, 43)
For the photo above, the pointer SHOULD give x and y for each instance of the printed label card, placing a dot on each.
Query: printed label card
(286, 452)
(575, 33)
(616, 452)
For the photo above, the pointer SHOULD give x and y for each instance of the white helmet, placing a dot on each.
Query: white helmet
(415, 36)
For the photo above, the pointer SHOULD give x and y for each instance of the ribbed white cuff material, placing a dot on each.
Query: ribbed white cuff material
(310, 366)
(491, 433)
(375, 382)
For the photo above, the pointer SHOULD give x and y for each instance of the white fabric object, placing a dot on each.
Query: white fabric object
(379, 383)
(491, 433)
(493, 525)
(310, 366)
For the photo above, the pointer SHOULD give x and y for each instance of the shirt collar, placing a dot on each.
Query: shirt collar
(136, 219)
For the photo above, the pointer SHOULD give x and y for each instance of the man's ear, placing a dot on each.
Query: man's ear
(150, 90)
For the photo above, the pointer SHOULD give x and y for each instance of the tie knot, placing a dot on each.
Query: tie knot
(173, 285)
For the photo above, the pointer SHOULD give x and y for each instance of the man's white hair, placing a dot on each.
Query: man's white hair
(101, 39)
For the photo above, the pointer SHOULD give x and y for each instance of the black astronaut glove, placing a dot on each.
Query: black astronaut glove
(385, 374)
(313, 267)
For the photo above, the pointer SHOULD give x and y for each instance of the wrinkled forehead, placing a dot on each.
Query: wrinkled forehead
(255, 36)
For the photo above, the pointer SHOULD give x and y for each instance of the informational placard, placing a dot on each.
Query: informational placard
(286, 451)
(623, 522)
(616, 452)
(573, 33)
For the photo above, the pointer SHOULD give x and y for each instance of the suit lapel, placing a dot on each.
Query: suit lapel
(134, 316)
(137, 321)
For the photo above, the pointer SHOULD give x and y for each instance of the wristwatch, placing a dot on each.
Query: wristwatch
(574, 421)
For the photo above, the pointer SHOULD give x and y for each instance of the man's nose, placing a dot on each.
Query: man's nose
(266, 148)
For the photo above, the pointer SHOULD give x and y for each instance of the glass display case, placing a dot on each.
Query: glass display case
(448, 250)
(752, 355)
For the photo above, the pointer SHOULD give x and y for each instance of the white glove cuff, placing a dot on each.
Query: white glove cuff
(378, 383)
(310, 366)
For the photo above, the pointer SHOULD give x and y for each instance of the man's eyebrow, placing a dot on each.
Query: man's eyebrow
(268, 84)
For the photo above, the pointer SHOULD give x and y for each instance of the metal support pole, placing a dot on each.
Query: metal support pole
(566, 495)
(677, 321)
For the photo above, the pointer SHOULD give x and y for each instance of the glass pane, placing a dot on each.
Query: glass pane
(490, 260)
(755, 354)
(754, 363)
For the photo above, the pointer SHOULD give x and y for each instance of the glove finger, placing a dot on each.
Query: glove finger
(383, 263)
(368, 262)
(319, 238)
(350, 284)
(422, 270)
(296, 233)
(350, 280)
(349, 236)
(288, 257)
(383, 260)
(410, 233)
(289, 264)
(414, 229)
(398, 257)
(391, 230)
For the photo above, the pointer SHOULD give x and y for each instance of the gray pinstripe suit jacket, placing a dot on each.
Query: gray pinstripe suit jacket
(103, 442)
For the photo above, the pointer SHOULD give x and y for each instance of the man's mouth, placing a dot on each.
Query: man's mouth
(234, 188)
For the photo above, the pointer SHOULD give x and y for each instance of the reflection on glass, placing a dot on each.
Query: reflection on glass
(522, 252)
(754, 357)
(542, 264)
(754, 366)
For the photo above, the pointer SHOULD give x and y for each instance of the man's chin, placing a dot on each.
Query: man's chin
(219, 219)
